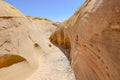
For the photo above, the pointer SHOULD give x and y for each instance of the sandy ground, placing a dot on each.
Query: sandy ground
(53, 66)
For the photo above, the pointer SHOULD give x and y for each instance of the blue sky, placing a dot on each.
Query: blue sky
(56, 10)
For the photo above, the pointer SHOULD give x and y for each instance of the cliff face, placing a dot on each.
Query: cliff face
(93, 36)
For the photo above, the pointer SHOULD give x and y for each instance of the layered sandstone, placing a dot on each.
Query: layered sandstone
(93, 36)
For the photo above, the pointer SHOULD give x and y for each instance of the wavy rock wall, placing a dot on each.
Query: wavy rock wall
(93, 36)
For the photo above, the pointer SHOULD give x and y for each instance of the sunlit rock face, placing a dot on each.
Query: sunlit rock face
(15, 33)
(93, 36)
(17, 44)
(20, 41)
(25, 50)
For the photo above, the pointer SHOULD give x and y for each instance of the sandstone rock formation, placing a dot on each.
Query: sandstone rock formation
(25, 50)
(93, 36)
(90, 39)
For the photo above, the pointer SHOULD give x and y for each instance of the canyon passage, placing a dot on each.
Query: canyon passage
(84, 47)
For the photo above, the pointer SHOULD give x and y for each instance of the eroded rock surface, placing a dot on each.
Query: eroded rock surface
(93, 36)
(25, 50)
(7, 60)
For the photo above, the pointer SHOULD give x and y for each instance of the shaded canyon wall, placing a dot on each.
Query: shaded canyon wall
(93, 36)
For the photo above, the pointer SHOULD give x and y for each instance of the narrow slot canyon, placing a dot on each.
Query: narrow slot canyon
(84, 47)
